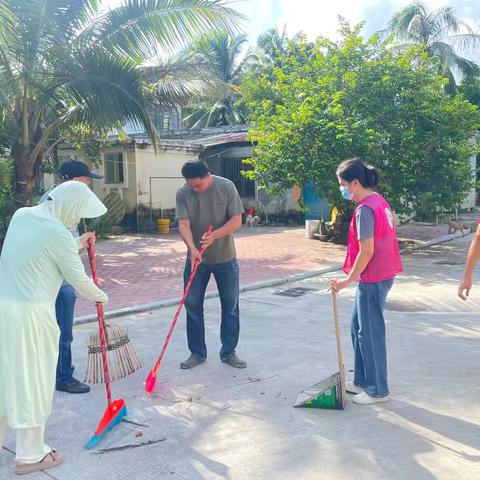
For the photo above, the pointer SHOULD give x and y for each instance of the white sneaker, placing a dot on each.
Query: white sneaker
(365, 399)
(350, 387)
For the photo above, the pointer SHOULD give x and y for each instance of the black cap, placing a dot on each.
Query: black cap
(74, 168)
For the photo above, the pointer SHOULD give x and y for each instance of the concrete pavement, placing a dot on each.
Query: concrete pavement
(220, 423)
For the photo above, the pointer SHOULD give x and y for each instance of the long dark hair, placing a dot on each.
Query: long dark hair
(355, 169)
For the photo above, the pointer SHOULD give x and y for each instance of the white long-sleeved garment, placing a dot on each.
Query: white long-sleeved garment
(38, 253)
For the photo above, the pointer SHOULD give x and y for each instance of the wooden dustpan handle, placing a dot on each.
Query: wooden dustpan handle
(337, 334)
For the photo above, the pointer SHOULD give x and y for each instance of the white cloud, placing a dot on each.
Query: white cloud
(319, 17)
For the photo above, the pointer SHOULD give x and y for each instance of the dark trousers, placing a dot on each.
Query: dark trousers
(64, 307)
(228, 282)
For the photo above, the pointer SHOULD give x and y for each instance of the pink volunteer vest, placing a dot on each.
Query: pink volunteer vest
(386, 262)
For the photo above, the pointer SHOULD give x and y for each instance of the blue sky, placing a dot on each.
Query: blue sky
(319, 17)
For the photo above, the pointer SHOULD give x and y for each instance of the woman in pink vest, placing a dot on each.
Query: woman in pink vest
(373, 260)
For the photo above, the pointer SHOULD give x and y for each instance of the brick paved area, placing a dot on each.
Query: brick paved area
(138, 269)
(421, 232)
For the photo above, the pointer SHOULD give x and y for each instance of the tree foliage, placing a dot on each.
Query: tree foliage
(328, 101)
(444, 36)
(66, 65)
(470, 89)
(220, 62)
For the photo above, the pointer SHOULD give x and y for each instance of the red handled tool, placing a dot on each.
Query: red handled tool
(151, 379)
(116, 410)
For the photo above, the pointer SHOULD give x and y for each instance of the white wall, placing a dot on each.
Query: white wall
(127, 190)
(166, 165)
(140, 165)
(276, 205)
(49, 180)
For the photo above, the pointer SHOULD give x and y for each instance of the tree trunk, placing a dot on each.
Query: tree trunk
(24, 177)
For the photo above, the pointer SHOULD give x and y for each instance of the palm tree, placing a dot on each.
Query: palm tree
(218, 56)
(442, 33)
(273, 44)
(67, 64)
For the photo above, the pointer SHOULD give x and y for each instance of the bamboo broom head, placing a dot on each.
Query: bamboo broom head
(122, 358)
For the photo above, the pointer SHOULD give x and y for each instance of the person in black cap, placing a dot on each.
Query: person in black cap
(76, 170)
(65, 304)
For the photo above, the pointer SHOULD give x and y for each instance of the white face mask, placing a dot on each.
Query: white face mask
(346, 194)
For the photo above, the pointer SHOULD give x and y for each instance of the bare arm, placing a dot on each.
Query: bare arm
(472, 258)
(367, 248)
(187, 237)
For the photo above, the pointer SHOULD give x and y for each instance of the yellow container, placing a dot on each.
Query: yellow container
(163, 226)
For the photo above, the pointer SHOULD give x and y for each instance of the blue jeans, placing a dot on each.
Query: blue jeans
(64, 307)
(368, 337)
(228, 283)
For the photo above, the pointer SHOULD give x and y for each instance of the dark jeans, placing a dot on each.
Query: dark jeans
(64, 307)
(228, 283)
(368, 337)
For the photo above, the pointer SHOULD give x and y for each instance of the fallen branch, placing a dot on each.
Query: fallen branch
(126, 447)
(133, 422)
(254, 380)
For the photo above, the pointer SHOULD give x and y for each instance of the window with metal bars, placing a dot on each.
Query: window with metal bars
(231, 169)
(114, 168)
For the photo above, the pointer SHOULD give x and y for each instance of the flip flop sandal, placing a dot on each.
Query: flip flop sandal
(50, 460)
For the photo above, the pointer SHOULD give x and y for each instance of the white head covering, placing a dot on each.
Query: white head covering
(73, 201)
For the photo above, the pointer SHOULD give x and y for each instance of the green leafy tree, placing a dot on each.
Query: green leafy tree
(331, 101)
(470, 89)
(442, 33)
(6, 198)
(66, 65)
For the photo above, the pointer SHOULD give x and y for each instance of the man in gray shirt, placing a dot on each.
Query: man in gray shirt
(206, 200)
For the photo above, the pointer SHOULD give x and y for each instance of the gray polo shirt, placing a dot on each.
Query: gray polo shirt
(216, 206)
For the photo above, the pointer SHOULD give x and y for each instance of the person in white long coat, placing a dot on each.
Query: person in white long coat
(38, 253)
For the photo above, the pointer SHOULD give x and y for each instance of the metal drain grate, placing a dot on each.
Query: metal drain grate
(296, 292)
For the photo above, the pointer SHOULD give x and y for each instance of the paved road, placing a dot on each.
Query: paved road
(219, 423)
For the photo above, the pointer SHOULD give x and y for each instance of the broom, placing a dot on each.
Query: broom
(151, 379)
(125, 360)
(116, 410)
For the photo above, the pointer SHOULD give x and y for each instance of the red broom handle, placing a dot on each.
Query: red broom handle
(101, 321)
(182, 301)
